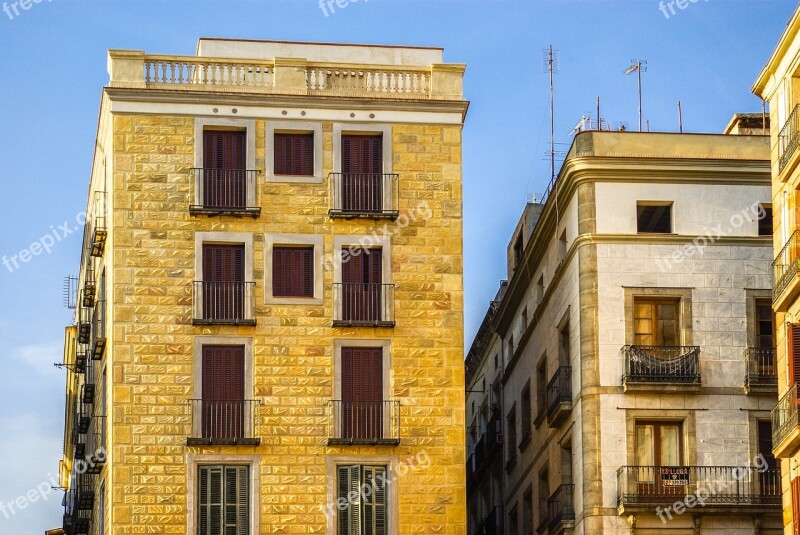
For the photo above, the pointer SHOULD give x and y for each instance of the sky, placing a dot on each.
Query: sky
(53, 64)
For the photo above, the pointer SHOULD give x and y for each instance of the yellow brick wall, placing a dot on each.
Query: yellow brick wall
(151, 355)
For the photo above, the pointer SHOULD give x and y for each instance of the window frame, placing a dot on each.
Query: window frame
(655, 204)
(223, 238)
(294, 240)
(294, 127)
(222, 123)
(768, 218)
(682, 295)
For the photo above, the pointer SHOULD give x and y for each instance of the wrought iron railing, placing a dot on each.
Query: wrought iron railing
(363, 304)
(231, 191)
(364, 195)
(99, 329)
(365, 422)
(559, 389)
(785, 266)
(234, 421)
(560, 506)
(661, 364)
(224, 302)
(715, 485)
(98, 224)
(84, 325)
(785, 416)
(789, 138)
(761, 369)
(96, 454)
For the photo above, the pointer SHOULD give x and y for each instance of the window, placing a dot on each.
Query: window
(540, 289)
(527, 512)
(793, 332)
(361, 414)
(654, 218)
(765, 221)
(511, 425)
(361, 512)
(541, 387)
(513, 522)
(223, 285)
(362, 170)
(294, 154)
(361, 287)
(656, 322)
(764, 324)
(224, 497)
(518, 250)
(563, 345)
(292, 271)
(526, 414)
(223, 178)
(562, 245)
(223, 405)
(544, 494)
(524, 318)
(659, 444)
(101, 510)
(796, 504)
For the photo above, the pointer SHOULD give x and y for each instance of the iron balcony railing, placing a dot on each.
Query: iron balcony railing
(661, 364)
(789, 138)
(494, 436)
(364, 195)
(225, 421)
(364, 422)
(784, 416)
(96, 455)
(761, 370)
(363, 304)
(785, 266)
(99, 329)
(224, 302)
(559, 389)
(715, 485)
(560, 506)
(75, 520)
(225, 191)
(98, 224)
(84, 325)
(89, 292)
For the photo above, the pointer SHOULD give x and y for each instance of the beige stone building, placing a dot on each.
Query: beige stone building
(623, 378)
(268, 337)
(779, 85)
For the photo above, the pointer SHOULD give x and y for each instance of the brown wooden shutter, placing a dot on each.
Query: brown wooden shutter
(796, 505)
(223, 391)
(794, 354)
(223, 263)
(293, 271)
(362, 392)
(294, 154)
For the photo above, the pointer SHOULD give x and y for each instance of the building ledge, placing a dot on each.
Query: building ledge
(363, 442)
(630, 386)
(789, 445)
(235, 212)
(197, 321)
(223, 441)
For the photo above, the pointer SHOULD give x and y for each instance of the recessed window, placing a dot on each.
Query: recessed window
(541, 387)
(224, 500)
(654, 218)
(366, 514)
(656, 322)
(294, 154)
(292, 271)
(525, 401)
(765, 220)
(518, 250)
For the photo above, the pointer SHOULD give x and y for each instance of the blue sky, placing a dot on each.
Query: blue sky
(53, 60)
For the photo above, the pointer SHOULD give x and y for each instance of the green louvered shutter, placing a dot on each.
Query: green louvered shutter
(375, 501)
(210, 521)
(349, 481)
(236, 501)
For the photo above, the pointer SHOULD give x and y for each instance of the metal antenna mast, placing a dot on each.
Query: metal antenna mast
(638, 66)
(551, 66)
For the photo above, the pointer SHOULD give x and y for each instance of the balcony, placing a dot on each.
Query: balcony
(367, 195)
(560, 509)
(95, 455)
(81, 357)
(83, 416)
(233, 422)
(559, 396)
(784, 269)
(494, 437)
(89, 292)
(785, 430)
(99, 330)
(225, 192)
(84, 325)
(672, 368)
(98, 225)
(762, 376)
(789, 139)
(720, 489)
(364, 422)
(75, 520)
(284, 76)
(367, 305)
(85, 492)
(224, 303)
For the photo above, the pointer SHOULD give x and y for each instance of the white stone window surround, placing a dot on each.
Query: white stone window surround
(385, 344)
(221, 123)
(385, 130)
(332, 462)
(314, 240)
(232, 238)
(344, 242)
(193, 461)
(279, 127)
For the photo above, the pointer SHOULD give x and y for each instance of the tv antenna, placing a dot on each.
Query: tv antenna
(638, 66)
(551, 65)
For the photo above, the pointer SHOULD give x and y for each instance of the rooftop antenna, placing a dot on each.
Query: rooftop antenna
(638, 66)
(551, 66)
(680, 117)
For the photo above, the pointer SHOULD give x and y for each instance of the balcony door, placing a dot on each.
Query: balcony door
(659, 449)
(223, 403)
(224, 169)
(362, 278)
(765, 337)
(362, 393)
(223, 282)
(769, 479)
(656, 323)
(362, 173)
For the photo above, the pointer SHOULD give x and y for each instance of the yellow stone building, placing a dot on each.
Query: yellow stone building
(269, 327)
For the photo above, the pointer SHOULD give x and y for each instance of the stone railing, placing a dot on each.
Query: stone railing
(136, 70)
